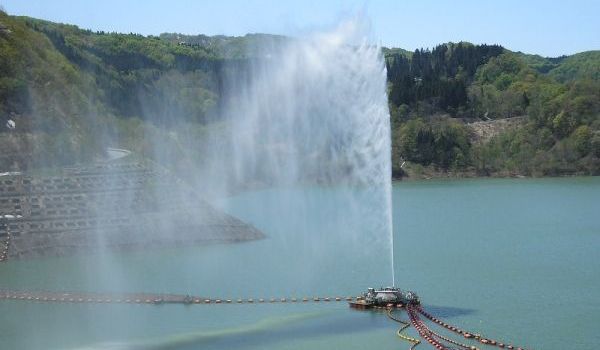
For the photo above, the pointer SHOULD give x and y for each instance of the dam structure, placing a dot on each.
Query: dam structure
(107, 206)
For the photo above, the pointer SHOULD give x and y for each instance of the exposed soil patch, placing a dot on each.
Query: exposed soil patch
(483, 131)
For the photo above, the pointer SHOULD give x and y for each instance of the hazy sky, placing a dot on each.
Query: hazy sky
(548, 27)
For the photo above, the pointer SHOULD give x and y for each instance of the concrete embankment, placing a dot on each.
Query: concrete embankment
(118, 206)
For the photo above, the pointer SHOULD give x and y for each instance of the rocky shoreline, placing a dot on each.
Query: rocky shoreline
(416, 172)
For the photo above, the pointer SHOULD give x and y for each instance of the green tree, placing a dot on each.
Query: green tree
(582, 137)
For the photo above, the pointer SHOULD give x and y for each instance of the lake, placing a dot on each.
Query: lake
(513, 259)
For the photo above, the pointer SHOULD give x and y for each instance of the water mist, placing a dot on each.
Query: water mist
(313, 112)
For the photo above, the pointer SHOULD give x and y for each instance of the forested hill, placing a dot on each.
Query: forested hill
(456, 109)
(443, 101)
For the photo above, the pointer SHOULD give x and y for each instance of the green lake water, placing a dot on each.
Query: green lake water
(516, 260)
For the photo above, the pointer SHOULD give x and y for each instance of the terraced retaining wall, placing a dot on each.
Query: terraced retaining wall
(114, 206)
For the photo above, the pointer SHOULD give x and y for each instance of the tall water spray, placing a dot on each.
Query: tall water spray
(313, 112)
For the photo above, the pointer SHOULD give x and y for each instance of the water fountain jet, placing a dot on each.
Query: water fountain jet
(314, 112)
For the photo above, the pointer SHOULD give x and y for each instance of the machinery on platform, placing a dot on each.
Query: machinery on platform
(384, 297)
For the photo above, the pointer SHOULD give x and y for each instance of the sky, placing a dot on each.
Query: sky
(549, 27)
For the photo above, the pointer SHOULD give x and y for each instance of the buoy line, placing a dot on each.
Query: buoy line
(468, 335)
(437, 340)
(405, 325)
(151, 298)
(422, 329)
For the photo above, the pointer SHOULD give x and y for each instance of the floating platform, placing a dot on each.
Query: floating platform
(364, 305)
(360, 304)
(385, 298)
